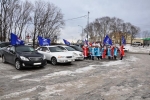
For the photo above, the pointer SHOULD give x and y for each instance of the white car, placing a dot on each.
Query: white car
(77, 54)
(55, 54)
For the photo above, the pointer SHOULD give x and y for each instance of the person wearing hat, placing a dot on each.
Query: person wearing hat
(85, 51)
(121, 52)
(104, 52)
(115, 52)
(93, 51)
(109, 52)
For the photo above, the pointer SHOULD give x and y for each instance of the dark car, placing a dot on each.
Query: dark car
(3, 45)
(23, 56)
(76, 48)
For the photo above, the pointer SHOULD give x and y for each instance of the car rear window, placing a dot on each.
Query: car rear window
(55, 49)
(24, 49)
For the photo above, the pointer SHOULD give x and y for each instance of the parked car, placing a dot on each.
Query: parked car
(77, 54)
(137, 44)
(23, 56)
(3, 45)
(77, 48)
(55, 54)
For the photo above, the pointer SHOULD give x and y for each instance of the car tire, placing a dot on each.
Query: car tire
(18, 65)
(54, 61)
(3, 59)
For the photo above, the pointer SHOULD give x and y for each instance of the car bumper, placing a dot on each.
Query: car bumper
(79, 58)
(33, 63)
(60, 60)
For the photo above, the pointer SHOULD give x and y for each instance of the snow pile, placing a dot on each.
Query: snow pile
(21, 75)
(113, 63)
(137, 49)
(64, 73)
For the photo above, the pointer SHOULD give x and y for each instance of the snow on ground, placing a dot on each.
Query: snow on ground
(20, 75)
(137, 49)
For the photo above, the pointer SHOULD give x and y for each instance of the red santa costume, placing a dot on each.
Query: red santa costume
(104, 53)
(85, 51)
(112, 51)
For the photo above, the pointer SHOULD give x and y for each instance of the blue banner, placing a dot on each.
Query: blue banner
(66, 42)
(123, 40)
(15, 40)
(107, 40)
(43, 41)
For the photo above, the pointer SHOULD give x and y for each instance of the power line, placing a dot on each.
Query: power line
(75, 18)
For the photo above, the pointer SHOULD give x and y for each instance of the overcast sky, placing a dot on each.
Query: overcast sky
(137, 12)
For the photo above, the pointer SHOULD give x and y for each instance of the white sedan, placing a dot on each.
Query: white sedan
(77, 54)
(55, 54)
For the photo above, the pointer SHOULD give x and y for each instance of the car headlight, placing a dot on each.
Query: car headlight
(24, 58)
(61, 56)
(74, 54)
(44, 57)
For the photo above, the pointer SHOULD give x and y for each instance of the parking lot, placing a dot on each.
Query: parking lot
(127, 79)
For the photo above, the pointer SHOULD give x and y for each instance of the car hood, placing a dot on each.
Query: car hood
(62, 53)
(77, 52)
(30, 54)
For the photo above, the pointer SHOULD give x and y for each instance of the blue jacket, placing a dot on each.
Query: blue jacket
(97, 51)
(108, 52)
(115, 51)
(93, 51)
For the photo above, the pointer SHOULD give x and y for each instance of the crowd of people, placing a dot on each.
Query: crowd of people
(101, 52)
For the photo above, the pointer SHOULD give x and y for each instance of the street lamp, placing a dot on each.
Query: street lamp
(82, 32)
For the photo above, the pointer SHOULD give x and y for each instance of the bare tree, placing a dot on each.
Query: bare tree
(146, 34)
(134, 31)
(48, 20)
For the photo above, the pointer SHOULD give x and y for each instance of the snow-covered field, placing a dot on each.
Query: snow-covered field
(137, 49)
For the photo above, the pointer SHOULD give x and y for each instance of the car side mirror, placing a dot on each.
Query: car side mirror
(11, 51)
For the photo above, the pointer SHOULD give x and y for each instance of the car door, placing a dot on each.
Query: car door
(6, 54)
(12, 54)
(46, 52)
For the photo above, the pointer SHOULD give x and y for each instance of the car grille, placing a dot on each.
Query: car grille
(35, 58)
(68, 56)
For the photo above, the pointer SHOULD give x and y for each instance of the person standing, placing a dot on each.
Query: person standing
(97, 52)
(109, 53)
(112, 52)
(115, 52)
(85, 51)
(121, 52)
(104, 52)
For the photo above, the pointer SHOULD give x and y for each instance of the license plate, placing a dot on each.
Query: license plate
(37, 64)
(69, 60)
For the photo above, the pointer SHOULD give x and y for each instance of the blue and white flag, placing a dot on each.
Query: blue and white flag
(86, 42)
(123, 40)
(15, 40)
(43, 41)
(107, 40)
(66, 42)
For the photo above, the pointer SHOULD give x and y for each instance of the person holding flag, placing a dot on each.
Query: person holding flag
(121, 48)
(106, 41)
(85, 49)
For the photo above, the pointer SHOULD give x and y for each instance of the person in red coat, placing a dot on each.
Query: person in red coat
(121, 52)
(85, 51)
(104, 52)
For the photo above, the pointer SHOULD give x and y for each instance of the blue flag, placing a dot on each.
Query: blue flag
(107, 40)
(123, 40)
(66, 42)
(86, 42)
(43, 41)
(15, 40)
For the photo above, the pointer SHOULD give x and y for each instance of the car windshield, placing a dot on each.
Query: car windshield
(24, 49)
(77, 48)
(55, 49)
(70, 49)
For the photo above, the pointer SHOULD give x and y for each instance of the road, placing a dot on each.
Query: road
(127, 79)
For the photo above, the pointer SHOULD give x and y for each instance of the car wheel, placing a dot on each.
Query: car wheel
(18, 65)
(3, 59)
(54, 61)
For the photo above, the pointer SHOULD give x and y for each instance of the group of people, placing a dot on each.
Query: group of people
(100, 52)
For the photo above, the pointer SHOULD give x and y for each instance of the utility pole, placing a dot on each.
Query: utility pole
(88, 25)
